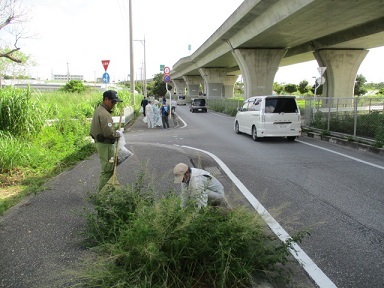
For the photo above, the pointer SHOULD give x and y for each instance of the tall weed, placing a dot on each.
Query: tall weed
(19, 114)
(144, 240)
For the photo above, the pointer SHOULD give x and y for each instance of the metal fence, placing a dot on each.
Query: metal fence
(358, 117)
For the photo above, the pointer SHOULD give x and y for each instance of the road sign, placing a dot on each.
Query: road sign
(162, 67)
(106, 78)
(320, 80)
(105, 64)
(167, 70)
(167, 78)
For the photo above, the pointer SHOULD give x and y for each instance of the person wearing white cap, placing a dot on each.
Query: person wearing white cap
(198, 185)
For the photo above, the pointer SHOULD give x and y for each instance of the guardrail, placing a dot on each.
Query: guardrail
(129, 114)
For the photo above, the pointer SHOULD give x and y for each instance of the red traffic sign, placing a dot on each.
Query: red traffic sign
(105, 64)
(167, 70)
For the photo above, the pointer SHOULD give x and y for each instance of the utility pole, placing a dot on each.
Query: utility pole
(145, 69)
(131, 53)
(67, 72)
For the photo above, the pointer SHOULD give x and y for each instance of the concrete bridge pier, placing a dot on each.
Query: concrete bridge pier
(342, 66)
(258, 67)
(179, 86)
(214, 79)
(229, 84)
(193, 85)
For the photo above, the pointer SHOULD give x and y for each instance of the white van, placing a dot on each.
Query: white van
(181, 100)
(269, 116)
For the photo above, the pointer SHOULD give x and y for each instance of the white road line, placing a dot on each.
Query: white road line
(312, 269)
(344, 155)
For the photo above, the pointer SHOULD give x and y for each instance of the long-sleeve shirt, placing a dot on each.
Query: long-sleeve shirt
(200, 186)
(102, 124)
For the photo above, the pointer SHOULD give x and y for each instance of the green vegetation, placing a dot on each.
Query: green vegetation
(74, 86)
(143, 239)
(227, 106)
(369, 125)
(41, 134)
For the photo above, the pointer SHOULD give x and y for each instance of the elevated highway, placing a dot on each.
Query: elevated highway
(262, 35)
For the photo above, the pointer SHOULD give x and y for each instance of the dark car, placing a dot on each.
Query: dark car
(198, 105)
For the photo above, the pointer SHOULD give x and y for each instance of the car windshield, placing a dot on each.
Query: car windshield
(199, 102)
(280, 105)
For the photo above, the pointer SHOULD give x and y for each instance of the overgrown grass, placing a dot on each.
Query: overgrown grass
(42, 134)
(146, 240)
(226, 106)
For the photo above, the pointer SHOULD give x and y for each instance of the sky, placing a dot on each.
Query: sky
(76, 35)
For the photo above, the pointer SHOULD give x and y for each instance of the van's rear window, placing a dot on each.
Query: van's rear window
(280, 105)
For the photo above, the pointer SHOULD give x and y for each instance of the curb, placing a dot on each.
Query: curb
(346, 143)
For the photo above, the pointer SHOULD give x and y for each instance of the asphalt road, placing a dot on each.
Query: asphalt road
(334, 192)
(339, 199)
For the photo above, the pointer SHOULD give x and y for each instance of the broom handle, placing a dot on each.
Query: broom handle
(117, 144)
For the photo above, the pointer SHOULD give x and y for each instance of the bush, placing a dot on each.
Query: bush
(74, 86)
(146, 240)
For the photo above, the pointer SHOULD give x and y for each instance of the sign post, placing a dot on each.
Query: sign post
(105, 64)
(167, 79)
(105, 76)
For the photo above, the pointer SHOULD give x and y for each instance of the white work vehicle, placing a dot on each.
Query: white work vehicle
(269, 116)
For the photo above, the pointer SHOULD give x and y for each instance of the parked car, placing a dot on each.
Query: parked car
(269, 116)
(198, 105)
(181, 100)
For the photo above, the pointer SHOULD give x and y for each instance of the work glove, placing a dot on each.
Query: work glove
(119, 133)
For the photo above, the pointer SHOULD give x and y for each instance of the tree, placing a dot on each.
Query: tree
(239, 88)
(15, 69)
(278, 88)
(158, 87)
(380, 92)
(12, 18)
(319, 90)
(360, 88)
(303, 87)
(290, 88)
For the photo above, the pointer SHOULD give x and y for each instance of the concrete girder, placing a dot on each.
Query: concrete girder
(342, 66)
(258, 67)
(193, 84)
(179, 86)
(214, 80)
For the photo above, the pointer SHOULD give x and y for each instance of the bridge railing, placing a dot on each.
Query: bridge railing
(357, 117)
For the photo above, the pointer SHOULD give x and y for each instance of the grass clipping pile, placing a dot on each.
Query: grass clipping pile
(146, 240)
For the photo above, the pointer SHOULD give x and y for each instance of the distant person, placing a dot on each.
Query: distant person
(149, 115)
(198, 186)
(156, 113)
(164, 111)
(175, 118)
(144, 103)
(105, 135)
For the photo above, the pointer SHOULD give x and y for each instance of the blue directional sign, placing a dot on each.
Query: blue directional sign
(106, 78)
(167, 78)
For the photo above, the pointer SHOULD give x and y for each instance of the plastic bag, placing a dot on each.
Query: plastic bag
(123, 153)
(141, 109)
(145, 119)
